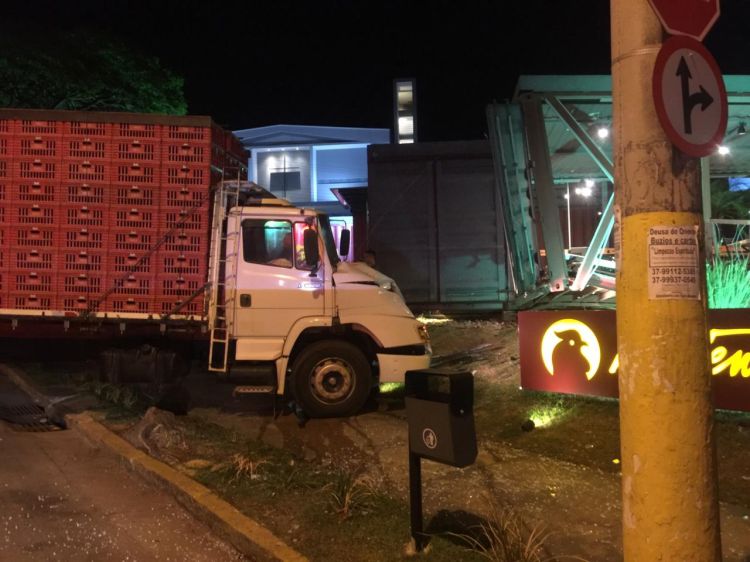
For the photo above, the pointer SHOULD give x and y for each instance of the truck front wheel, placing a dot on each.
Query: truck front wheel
(331, 378)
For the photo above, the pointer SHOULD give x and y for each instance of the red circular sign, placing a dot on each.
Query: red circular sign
(690, 97)
(693, 18)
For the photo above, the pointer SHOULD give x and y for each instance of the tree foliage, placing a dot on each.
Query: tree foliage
(86, 71)
(727, 204)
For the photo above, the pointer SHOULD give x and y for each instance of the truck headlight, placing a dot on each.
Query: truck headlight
(386, 285)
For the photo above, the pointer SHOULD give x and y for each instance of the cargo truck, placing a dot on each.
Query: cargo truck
(139, 235)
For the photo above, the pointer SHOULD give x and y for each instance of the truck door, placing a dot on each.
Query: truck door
(273, 286)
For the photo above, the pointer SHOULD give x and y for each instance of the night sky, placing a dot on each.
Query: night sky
(326, 62)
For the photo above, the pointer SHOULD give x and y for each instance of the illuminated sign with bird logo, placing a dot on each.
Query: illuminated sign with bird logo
(575, 352)
(570, 345)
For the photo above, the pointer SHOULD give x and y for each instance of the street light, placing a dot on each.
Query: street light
(585, 190)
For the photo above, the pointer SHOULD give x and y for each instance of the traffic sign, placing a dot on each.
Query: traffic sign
(689, 95)
(693, 18)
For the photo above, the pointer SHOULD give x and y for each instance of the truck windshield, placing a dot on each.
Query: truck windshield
(328, 240)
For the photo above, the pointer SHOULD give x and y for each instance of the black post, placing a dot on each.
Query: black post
(415, 499)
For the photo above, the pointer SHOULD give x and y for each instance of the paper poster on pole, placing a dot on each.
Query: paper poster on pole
(673, 262)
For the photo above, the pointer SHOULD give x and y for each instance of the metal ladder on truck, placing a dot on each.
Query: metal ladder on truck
(224, 246)
(225, 249)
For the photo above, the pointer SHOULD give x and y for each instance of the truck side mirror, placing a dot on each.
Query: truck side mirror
(344, 241)
(312, 255)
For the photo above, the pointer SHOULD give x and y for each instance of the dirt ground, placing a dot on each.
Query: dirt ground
(568, 484)
(562, 477)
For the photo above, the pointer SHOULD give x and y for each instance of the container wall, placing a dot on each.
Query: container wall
(435, 223)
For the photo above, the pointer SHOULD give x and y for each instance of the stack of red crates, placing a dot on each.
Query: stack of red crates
(86, 199)
(32, 213)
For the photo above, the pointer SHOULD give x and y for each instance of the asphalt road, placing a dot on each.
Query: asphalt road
(60, 499)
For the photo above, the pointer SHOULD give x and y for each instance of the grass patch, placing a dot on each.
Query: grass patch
(581, 430)
(502, 536)
(586, 431)
(326, 512)
(728, 282)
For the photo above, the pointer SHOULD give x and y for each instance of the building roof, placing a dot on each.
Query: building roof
(307, 135)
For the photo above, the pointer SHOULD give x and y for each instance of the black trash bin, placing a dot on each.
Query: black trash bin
(440, 414)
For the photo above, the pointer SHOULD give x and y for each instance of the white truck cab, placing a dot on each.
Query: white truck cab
(327, 330)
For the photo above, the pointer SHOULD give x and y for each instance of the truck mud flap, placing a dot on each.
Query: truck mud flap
(142, 365)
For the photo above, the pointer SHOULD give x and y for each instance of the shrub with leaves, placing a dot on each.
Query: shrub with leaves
(349, 491)
(245, 467)
(504, 537)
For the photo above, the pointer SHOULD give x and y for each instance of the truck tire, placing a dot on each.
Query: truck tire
(331, 378)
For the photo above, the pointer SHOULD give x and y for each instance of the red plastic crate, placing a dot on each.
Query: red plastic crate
(185, 153)
(183, 197)
(136, 131)
(4, 191)
(181, 241)
(120, 263)
(86, 193)
(28, 301)
(190, 175)
(183, 133)
(139, 218)
(4, 147)
(135, 173)
(78, 303)
(82, 284)
(85, 129)
(193, 308)
(36, 147)
(88, 149)
(218, 156)
(132, 240)
(48, 192)
(5, 169)
(136, 151)
(83, 260)
(179, 285)
(6, 127)
(181, 264)
(83, 238)
(188, 220)
(32, 259)
(133, 196)
(42, 214)
(32, 236)
(128, 304)
(83, 215)
(37, 169)
(87, 171)
(132, 284)
(37, 127)
(36, 282)
(233, 163)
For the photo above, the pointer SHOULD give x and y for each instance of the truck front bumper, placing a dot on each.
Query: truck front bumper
(394, 367)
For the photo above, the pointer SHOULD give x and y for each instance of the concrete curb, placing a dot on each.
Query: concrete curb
(245, 534)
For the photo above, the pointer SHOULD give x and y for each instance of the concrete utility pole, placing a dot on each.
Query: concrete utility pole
(669, 487)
